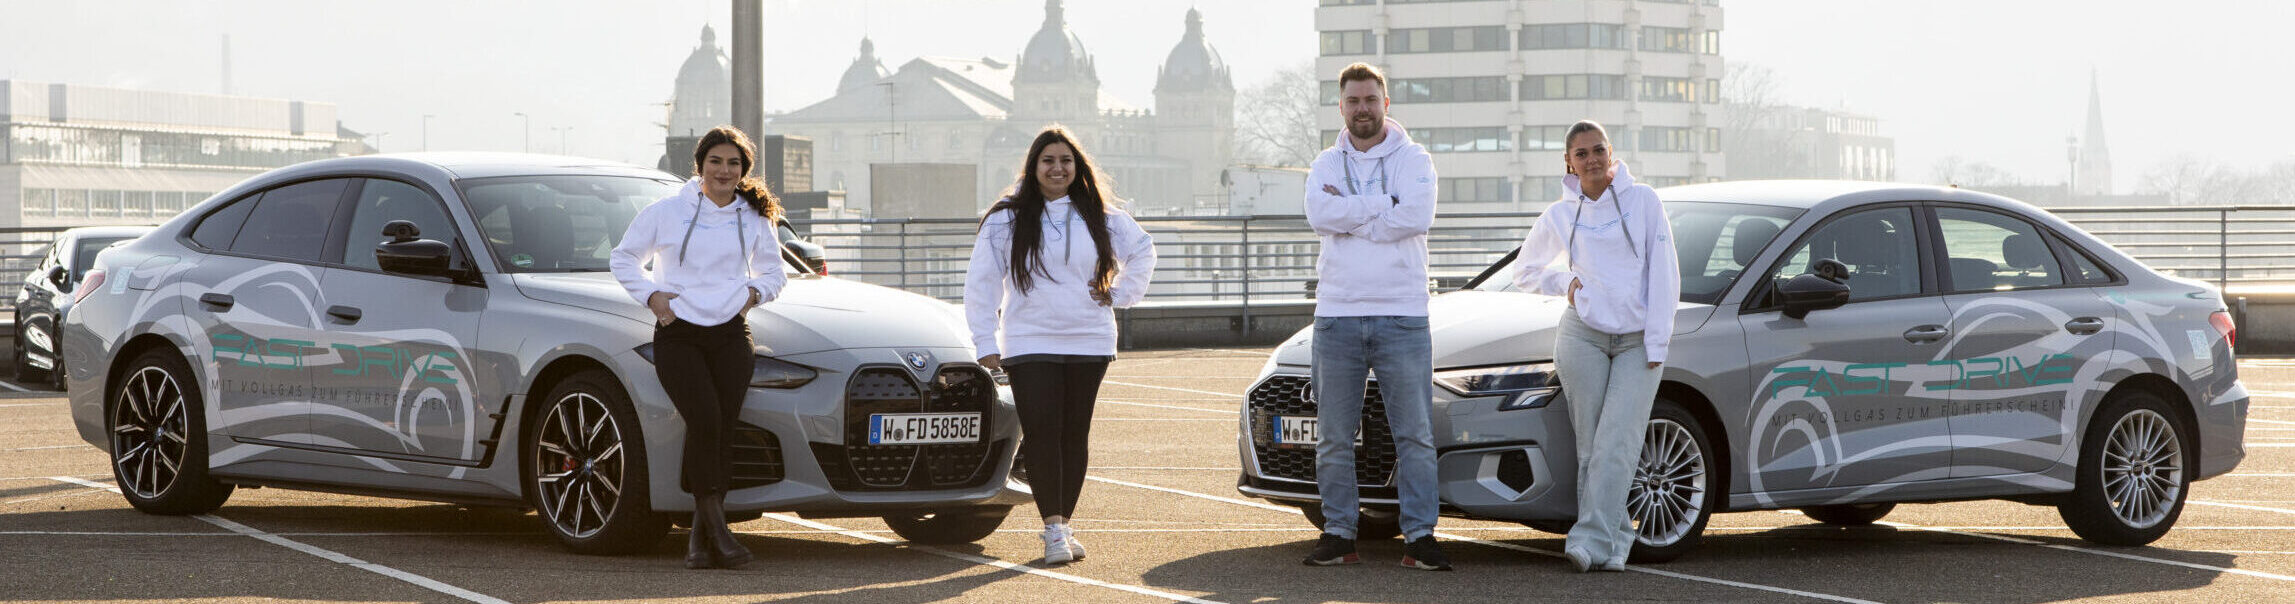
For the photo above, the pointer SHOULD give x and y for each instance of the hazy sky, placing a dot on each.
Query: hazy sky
(1987, 80)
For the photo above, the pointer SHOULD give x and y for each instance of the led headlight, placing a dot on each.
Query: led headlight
(769, 372)
(1498, 380)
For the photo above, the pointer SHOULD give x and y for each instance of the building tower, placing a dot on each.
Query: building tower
(1056, 80)
(2093, 176)
(866, 69)
(704, 100)
(1195, 111)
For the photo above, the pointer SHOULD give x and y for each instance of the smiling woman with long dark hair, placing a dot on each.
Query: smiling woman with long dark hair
(1054, 259)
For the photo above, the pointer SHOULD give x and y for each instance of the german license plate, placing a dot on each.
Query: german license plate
(923, 428)
(1300, 431)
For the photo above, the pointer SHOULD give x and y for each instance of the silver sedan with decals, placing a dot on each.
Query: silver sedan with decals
(444, 327)
(1838, 348)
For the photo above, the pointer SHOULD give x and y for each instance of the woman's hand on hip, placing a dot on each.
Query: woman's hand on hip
(754, 300)
(659, 304)
(1655, 365)
(1573, 291)
(994, 362)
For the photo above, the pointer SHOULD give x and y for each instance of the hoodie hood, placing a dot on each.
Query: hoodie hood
(1620, 178)
(1397, 138)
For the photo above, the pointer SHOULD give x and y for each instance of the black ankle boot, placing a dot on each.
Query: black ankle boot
(709, 511)
(697, 545)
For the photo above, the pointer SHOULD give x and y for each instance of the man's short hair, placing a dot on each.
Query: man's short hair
(1363, 71)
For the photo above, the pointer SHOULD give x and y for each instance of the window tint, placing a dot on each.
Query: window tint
(558, 223)
(1989, 251)
(291, 222)
(216, 230)
(2085, 269)
(1878, 246)
(84, 256)
(383, 201)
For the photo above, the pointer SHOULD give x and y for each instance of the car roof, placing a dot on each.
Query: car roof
(1808, 194)
(461, 165)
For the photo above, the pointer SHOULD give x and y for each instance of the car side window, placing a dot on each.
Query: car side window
(382, 201)
(1879, 247)
(1990, 251)
(2085, 269)
(216, 230)
(291, 222)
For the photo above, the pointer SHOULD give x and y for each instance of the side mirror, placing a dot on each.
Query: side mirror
(407, 253)
(59, 278)
(1822, 288)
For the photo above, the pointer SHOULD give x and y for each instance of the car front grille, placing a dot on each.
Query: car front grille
(1287, 395)
(859, 466)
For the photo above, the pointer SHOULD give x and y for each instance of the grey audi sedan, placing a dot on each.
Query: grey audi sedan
(444, 327)
(1838, 348)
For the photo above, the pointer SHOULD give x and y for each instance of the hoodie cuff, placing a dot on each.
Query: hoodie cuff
(984, 348)
(1654, 347)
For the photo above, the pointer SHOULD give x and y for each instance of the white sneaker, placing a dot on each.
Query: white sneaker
(1056, 546)
(1075, 548)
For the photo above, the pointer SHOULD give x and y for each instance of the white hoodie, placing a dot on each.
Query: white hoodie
(1373, 261)
(1622, 257)
(1057, 315)
(713, 279)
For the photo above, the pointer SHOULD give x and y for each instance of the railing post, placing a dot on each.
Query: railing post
(903, 256)
(1247, 256)
(2223, 250)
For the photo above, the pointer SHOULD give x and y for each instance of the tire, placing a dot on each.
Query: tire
(158, 434)
(1370, 525)
(596, 496)
(1671, 497)
(2138, 501)
(1850, 514)
(951, 527)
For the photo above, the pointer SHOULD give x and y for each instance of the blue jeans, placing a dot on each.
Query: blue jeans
(1399, 350)
(1609, 386)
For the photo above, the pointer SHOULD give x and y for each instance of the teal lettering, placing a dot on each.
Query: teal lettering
(2064, 368)
(291, 349)
(1957, 370)
(1880, 383)
(439, 364)
(1782, 383)
(350, 355)
(1972, 374)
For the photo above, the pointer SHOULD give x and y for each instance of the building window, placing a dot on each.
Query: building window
(39, 202)
(1447, 39)
(1471, 190)
(1351, 42)
(1435, 90)
(1463, 140)
(1668, 139)
(166, 203)
(1712, 42)
(1668, 39)
(1712, 91)
(1712, 140)
(1573, 86)
(1573, 35)
(1545, 138)
(136, 204)
(1542, 187)
(1678, 90)
(71, 202)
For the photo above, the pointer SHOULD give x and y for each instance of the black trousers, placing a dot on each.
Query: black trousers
(706, 371)
(1055, 402)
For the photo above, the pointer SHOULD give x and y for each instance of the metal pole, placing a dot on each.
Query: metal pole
(1247, 255)
(749, 67)
(529, 148)
(2223, 249)
(426, 131)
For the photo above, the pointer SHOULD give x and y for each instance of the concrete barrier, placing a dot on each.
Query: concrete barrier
(1211, 324)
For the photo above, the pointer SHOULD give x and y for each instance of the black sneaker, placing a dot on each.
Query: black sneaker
(1423, 554)
(1333, 550)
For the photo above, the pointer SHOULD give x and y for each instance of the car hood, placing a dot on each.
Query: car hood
(1476, 328)
(812, 314)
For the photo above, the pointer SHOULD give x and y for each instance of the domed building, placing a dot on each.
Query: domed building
(704, 100)
(984, 112)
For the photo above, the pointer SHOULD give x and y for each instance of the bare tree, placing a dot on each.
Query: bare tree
(2188, 179)
(1761, 137)
(1954, 171)
(1277, 119)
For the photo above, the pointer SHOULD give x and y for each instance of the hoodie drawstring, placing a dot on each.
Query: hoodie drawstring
(1571, 244)
(740, 230)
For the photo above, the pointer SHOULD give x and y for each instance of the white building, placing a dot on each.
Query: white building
(984, 112)
(1491, 86)
(74, 155)
(1810, 142)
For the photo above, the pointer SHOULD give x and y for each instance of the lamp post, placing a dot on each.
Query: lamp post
(426, 131)
(562, 130)
(529, 131)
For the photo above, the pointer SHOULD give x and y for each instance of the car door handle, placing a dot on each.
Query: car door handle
(218, 302)
(1926, 333)
(345, 313)
(2084, 325)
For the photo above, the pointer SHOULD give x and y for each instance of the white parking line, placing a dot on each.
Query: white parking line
(1188, 468)
(2097, 552)
(166, 534)
(987, 561)
(2257, 508)
(320, 552)
(32, 404)
(2271, 421)
(1174, 389)
(50, 447)
(1162, 419)
(1180, 407)
(2272, 445)
(2259, 475)
(1500, 545)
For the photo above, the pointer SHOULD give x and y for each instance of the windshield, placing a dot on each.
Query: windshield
(560, 224)
(1713, 241)
(84, 257)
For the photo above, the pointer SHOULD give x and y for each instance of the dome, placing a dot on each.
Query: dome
(704, 97)
(866, 70)
(1055, 54)
(1193, 65)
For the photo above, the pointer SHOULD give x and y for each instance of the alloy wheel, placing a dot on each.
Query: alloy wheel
(2143, 468)
(579, 459)
(1668, 491)
(150, 426)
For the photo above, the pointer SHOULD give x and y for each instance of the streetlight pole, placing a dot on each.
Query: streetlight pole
(378, 140)
(562, 130)
(529, 131)
(426, 131)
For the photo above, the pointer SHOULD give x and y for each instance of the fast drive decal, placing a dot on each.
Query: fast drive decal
(1794, 420)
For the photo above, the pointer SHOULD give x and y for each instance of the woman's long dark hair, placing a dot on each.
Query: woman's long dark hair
(749, 189)
(1026, 201)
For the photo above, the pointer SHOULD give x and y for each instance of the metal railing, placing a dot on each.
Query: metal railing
(1258, 259)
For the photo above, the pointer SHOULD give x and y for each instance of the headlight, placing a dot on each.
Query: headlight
(1504, 379)
(769, 372)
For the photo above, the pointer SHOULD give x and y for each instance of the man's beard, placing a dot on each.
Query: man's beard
(1365, 130)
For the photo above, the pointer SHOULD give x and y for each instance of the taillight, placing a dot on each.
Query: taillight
(2222, 322)
(88, 285)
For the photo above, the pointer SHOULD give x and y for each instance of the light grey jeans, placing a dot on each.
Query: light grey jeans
(1609, 386)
